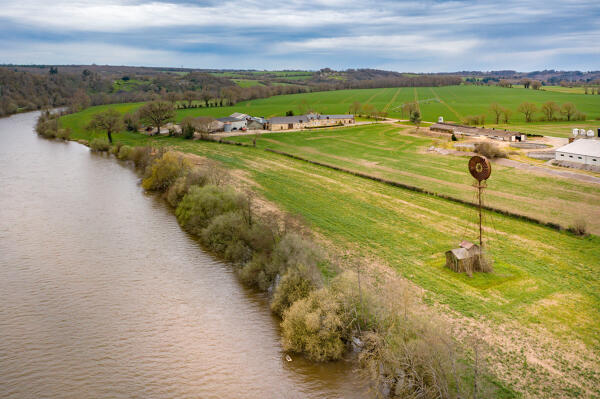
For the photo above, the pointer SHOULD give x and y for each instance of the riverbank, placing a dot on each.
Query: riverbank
(103, 293)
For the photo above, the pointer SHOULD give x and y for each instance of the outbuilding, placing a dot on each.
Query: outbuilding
(582, 151)
(230, 123)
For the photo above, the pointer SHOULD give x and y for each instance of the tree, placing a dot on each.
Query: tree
(527, 109)
(289, 113)
(415, 117)
(536, 84)
(506, 113)
(526, 83)
(205, 95)
(172, 97)
(189, 96)
(549, 109)
(188, 127)
(110, 121)
(496, 110)
(568, 110)
(157, 113)
(409, 108)
(355, 108)
(80, 101)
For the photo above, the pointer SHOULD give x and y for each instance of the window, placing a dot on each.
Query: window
(594, 160)
(578, 157)
(562, 155)
(570, 156)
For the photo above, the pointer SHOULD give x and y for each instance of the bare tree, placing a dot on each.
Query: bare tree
(109, 121)
(568, 110)
(526, 83)
(496, 110)
(506, 113)
(536, 84)
(527, 109)
(157, 113)
(550, 108)
(189, 97)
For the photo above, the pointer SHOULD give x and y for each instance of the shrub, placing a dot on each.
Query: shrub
(253, 273)
(188, 127)
(124, 152)
(164, 171)
(99, 145)
(132, 122)
(489, 150)
(116, 148)
(143, 156)
(201, 204)
(226, 234)
(63, 134)
(297, 283)
(47, 125)
(579, 227)
(316, 326)
(454, 137)
(191, 177)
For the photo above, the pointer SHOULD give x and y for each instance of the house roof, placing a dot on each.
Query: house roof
(288, 119)
(337, 116)
(587, 147)
(239, 115)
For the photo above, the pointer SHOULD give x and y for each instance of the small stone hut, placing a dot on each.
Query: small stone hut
(464, 259)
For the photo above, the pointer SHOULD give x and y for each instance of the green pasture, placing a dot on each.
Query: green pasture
(542, 276)
(451, 102)
(390, 152)
(247, 82)
(128, 85)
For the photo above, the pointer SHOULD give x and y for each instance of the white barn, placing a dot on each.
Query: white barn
(582, 151)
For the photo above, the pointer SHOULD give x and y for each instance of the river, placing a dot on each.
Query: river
(102, 295)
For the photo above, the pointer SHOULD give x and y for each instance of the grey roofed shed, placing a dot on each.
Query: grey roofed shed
(288, 119)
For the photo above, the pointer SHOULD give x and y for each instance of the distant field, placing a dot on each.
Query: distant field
(128, 85)
(390, 152)
(451, 102)
(544, 280)
(247, 82)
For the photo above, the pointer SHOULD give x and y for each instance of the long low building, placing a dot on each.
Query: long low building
(498, 134)
(582, 151)
(308, 121)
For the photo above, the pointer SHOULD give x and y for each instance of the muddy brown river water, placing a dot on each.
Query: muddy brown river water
(102, 295)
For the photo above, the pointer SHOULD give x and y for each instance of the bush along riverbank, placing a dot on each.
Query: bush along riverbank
(327, 308)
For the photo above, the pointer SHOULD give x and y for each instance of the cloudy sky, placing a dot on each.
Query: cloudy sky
(418, 36)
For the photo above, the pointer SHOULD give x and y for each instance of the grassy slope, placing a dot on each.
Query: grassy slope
(543, 278)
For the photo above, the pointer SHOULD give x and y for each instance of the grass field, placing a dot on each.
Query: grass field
(128, 85)
(387, 151)
(247, 82)
(544, 281)
(451, 102)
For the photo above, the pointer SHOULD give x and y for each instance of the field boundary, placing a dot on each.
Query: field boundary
(552, 225)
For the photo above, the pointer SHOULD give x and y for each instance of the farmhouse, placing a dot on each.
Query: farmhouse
(583, 151)
(231, 123)
(308, 121)
(503, 135)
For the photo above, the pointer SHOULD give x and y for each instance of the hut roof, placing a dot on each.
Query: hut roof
(460, 253)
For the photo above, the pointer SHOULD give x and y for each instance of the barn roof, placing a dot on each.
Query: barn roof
(230, 119)
(289, 119)
(587, 147)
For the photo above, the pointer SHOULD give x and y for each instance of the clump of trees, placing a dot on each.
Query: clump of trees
(48, 126)
(474, 120)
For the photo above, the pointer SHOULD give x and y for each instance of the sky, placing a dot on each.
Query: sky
(404, 36)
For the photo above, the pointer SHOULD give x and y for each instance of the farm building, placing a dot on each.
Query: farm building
(463, 259)
(582, 151)
(497, 134)
(307, 121)
(231, 123)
